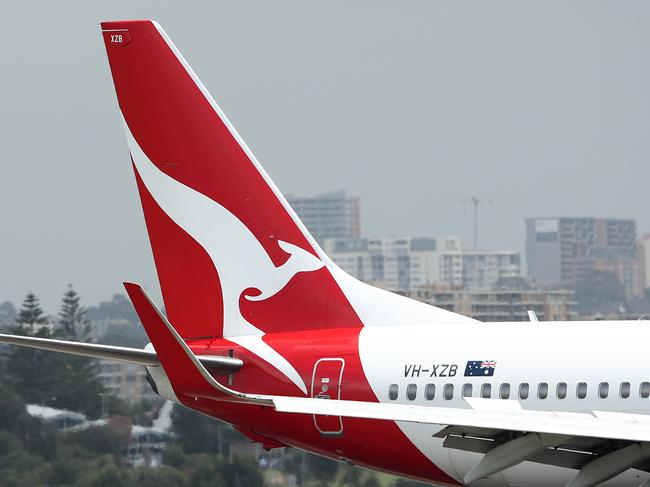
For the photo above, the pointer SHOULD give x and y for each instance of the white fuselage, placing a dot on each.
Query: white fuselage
(577, 361)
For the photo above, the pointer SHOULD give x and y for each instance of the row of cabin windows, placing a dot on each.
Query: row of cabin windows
(561, 391)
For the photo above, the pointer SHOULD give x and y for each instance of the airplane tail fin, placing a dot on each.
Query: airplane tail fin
(232, 257)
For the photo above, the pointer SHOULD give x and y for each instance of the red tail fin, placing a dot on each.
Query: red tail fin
(232, 257)
(228, 248)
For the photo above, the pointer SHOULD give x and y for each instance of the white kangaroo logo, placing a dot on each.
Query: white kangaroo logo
(242, 262)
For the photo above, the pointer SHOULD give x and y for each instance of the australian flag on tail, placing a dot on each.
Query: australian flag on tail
(480, 368)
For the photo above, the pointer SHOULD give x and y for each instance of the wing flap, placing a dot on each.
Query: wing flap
(620, 426)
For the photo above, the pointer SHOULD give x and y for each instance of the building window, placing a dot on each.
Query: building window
(561, 390)
(581, 390)
(430, 392)
(644, 390)
(603, 390)
(504, 391)
(467, 390)
(542, 390)
(486, 391)
(411, 392)
(524, 389)
(625, 390)
(448, 392)
(393, 391)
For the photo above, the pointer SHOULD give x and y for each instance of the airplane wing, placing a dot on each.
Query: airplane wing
(599, 444)
(217, 365)
(484, 413)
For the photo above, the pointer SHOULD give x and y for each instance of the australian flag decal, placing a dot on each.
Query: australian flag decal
(480, 368)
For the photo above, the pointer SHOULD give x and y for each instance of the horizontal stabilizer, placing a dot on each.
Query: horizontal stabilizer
(149, 358)
(185, 371)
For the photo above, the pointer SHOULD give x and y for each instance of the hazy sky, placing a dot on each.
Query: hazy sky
(542, 106)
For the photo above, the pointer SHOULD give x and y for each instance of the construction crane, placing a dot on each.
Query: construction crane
(475, 202)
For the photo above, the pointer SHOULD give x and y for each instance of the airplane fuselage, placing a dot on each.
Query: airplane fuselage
(553, 366)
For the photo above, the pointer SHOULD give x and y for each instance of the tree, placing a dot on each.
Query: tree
(371, 481)
(101, 440)
(103, 472)
(205, 471)
(10, 408)
(242, 472)
(599, 291)
(292, 463)
(162, 476)
(77, 377)
(174, 456)
(197, 433)
(402, 482)
(37, 437)
(321, 468)
(350, 476)
(73, 324)
(29, 372)
(31, 317)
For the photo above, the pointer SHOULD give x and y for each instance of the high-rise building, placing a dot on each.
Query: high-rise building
(484, 269)
(501, 304)
(329, 215)
(643, 262)
(399, 263)
(566, 250)
(451, 261)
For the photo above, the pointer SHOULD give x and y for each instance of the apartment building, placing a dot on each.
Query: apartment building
(485, 269)
(501, 305)
(329, 215)
(562, 251)
(127, 381)
(399, 263)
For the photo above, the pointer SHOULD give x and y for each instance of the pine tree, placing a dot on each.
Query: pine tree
(30, 317)
(73, 324)
(78, 381)
(30, 372)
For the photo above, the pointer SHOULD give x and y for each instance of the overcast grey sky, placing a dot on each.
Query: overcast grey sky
(542, 106)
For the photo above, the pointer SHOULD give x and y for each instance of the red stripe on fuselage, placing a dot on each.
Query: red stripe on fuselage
(377, 444)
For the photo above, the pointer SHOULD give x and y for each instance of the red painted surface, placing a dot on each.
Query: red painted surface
(184, 137)
(191, 289)
(376, 444)
(309, 319)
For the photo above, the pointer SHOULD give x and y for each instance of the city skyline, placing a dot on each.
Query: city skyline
(464, 247)
(431, 106)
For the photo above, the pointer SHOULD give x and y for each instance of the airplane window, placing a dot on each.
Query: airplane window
(504, 392)
(542, 390)
(430, 392)
(625, 390)
(561, 390)
(393, 391)
(581, 390)
(644, 390)
(523, 390)
(411, 392)
(449, 392)
(486, 391)
(467, 390)
(603, 390)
